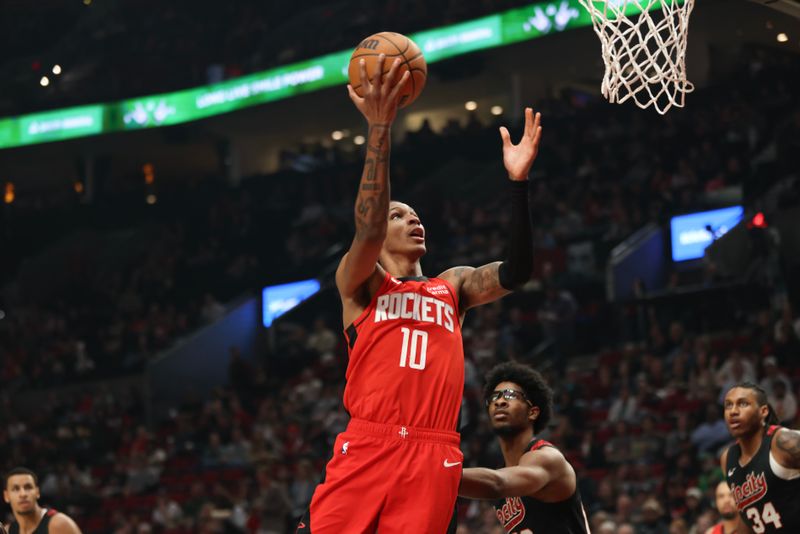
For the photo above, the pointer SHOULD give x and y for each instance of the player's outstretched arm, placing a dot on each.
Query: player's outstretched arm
(379, 107)
(518, 481)
(786, 448)
(532, 474)
(484, 284)
(63, 524)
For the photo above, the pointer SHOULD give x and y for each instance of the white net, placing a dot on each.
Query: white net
(644, 49)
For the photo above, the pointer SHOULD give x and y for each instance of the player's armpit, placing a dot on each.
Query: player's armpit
(787, 448)
(476, 286)
(63, 524)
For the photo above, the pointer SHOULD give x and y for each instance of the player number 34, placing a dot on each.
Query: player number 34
(768, 515)
(415, 348)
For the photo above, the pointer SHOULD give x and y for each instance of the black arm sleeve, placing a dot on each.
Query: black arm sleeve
(516, 269)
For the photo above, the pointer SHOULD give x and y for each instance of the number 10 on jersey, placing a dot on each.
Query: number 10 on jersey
(415, 348)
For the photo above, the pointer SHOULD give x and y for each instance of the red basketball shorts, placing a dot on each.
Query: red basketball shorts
(389, 479)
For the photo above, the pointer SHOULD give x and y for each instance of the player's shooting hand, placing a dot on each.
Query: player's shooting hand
(519, 158)
(381, 96)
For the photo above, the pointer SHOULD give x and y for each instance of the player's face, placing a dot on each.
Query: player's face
(726, 506)
(21, 493)
(405, 233)
(743, 415)
(510, 415)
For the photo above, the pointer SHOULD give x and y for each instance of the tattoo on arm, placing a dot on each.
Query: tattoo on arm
(488, 277)
(788, 441)
(483, 285)
(372, 203)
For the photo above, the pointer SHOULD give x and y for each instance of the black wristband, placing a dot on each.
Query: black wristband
(516, 269)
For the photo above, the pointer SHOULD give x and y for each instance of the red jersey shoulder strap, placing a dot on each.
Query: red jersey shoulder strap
(772, 429)
(538, 444)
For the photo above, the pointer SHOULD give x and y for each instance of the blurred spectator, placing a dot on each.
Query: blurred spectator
(322, 339)
(652, 521)
(783, 402)
(167, 513)
(212, 310)
(624, 407)
(771, 374)
(712, 432)
(302, 487)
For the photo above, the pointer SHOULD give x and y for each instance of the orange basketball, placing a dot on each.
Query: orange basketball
(393, 45)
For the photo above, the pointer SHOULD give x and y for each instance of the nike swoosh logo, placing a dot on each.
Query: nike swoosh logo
(450, 464)
(730, 472)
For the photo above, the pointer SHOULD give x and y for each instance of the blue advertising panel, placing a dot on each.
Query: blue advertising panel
(692, 233)
(279, 299)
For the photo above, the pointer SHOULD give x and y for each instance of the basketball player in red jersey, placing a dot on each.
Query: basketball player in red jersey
(726, 507)
(397, 467)
(763, 467)
(537, 490)
(21, 492)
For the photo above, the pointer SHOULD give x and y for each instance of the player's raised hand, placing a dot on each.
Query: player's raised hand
(519, 158)
(381, 97)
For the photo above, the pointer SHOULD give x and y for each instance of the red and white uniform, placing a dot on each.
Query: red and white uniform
(406, 356)
(397, 467)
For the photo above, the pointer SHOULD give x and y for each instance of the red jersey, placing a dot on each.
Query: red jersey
(719, 528)
(406, 356)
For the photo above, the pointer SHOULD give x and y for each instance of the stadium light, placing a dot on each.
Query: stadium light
(471, 105)
(359, 140)
(497, 110)
(9, 194)
(337, 135)
(151, 199)
(44, 81)
(782, 37)
(56, 69)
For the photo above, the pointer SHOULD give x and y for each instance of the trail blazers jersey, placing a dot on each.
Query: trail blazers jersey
(525, 515)
(766, 493)
(42, 528)
(406, 362)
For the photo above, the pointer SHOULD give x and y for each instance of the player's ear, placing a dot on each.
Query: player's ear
(533, 413)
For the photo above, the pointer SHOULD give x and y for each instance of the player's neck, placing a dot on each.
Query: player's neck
(400, 267)
(29, 522)
(729, 525)
(515, 446)
(749, 445)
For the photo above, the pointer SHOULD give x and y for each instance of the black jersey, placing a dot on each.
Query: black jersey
(768, 501)
(526, 515)
(42, 528)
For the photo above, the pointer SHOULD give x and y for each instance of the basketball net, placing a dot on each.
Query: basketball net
(644, 54)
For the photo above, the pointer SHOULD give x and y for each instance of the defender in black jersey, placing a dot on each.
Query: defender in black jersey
(21, 492)
(537, 489)
(763, 467)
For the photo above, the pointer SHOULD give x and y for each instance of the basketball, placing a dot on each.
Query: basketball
(393, 45)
